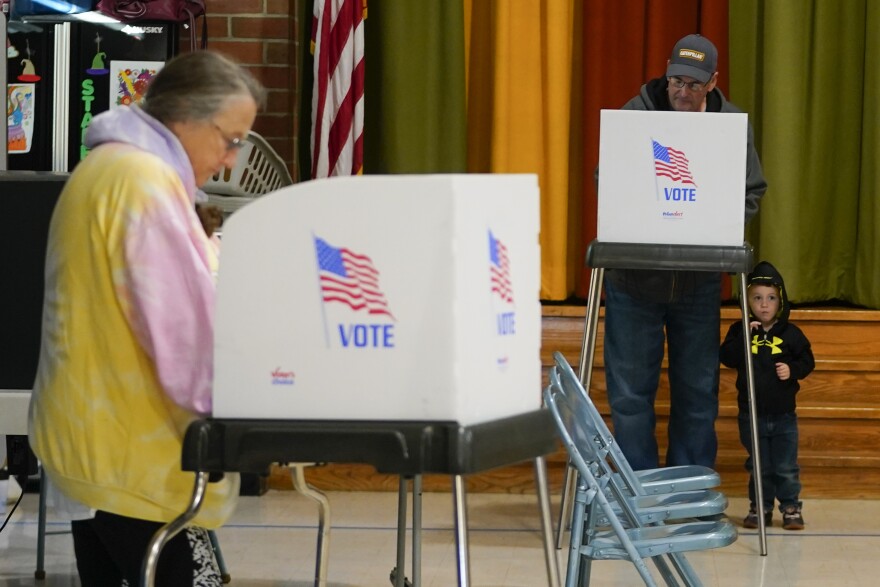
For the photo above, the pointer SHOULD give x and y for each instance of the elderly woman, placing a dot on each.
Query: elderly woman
(127, 337)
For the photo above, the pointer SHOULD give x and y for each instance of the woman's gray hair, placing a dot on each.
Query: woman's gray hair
(195, 86)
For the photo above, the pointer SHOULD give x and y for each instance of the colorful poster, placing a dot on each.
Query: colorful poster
(19, 117)
(129, 80)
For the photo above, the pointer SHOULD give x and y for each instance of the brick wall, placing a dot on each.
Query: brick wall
(262, 35)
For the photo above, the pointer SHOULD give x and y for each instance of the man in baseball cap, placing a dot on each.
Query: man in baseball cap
(645, 308)
(691, 73)
(693, 56)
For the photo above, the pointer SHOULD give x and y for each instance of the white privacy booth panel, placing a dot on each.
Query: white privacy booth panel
(382, 298)
(672, 177)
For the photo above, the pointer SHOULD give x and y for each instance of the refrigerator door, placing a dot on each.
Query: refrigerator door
(110, 66)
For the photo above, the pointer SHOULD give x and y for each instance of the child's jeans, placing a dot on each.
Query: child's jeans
(778, 443)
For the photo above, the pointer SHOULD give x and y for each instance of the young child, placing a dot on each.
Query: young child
(781, 356)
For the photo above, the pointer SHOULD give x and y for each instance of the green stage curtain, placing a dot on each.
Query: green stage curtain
(808, 73)
(414, 88)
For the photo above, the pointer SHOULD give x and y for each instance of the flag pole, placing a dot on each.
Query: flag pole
(656, 186)
(321, 294)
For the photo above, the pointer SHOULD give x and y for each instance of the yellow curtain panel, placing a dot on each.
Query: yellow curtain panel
(519, 57)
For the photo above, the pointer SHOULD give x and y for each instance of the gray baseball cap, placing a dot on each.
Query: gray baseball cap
(693, 56)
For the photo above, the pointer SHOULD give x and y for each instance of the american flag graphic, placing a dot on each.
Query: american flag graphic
(499, 269)
(672, 163)
(338, 91)
(350, 279)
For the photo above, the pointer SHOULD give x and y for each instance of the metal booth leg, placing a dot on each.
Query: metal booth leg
(170, 530)
(568, 482)
(40, 572)
(417, 531)
(42, 533)
(546, 524)
(398, 573)
(323, 548)
(753, 416)
(585, 374)
(461, 537)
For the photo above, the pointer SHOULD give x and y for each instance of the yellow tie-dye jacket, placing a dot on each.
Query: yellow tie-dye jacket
(127, 337)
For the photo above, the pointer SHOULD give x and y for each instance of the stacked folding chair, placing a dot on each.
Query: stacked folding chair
(652, 481)
(622, 514)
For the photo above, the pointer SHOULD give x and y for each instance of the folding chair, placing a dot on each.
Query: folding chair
(602, 498)
(651, 481)
(689, 501)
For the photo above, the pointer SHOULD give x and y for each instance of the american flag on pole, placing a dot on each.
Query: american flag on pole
(499, 269)
(338, 92)
(672, 163)
(349, 278)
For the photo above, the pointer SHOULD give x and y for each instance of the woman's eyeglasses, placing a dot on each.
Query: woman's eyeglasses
(232, 143)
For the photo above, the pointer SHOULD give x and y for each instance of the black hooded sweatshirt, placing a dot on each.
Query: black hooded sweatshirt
(784, 343)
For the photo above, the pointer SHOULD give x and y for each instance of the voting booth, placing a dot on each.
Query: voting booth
(387, 320)
(672, 177)
(671, 197)
(382, 298)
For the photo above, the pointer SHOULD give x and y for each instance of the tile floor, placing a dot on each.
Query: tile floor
(270, 542)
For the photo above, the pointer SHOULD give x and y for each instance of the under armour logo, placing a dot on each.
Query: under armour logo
(774, 345)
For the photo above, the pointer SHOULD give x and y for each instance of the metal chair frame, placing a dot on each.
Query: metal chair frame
(649, 481)
(603, 497)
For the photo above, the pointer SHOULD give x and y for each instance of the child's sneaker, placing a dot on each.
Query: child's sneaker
(751, 519)
(792, 518)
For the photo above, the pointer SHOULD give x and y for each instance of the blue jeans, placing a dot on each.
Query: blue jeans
(634, 335)
(780, 473)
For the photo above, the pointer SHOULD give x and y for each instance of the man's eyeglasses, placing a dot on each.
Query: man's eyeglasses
(232, 143)
(678, 83)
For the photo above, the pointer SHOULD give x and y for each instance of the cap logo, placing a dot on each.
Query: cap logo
(691, 54)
